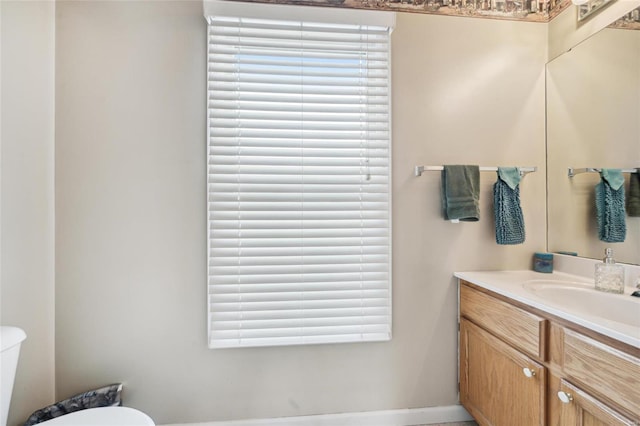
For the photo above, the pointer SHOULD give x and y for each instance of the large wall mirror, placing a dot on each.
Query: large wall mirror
(593, 120)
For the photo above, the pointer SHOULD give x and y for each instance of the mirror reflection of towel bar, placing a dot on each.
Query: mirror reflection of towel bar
(420, 169)
(572, 172)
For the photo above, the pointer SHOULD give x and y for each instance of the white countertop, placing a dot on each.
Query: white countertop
(509, 284)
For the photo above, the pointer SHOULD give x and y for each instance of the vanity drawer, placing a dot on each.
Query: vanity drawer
(520, 328)
(608, 371)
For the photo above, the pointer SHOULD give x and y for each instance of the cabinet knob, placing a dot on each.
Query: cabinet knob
(528, 372)
(565, 397)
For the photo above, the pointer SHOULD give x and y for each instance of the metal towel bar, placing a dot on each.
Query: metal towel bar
(572, 172)
(420, 169)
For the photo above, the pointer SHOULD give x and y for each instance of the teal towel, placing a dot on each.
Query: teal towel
(461, 192)
(633, 201)
(506, 207)
(612, 227)
(510, 175)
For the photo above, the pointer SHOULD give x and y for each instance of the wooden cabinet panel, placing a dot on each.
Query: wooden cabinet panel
(604, 369)
(493, 386)
(601, 375)
(555, 345)
(554, 406)
(520, 328)
(584, 410)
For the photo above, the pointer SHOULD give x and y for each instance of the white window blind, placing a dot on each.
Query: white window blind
(299, 222)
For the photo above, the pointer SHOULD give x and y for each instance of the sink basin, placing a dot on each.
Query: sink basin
(583, 298)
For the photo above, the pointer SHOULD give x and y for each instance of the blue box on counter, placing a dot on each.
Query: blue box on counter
(543, 262)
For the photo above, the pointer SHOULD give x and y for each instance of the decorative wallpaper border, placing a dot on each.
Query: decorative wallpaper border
(515, 10)
(630, 21)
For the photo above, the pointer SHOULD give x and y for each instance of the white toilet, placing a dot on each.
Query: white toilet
(10, 340)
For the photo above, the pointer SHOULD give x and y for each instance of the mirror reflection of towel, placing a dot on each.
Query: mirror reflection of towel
(610, 211)
(507, 210)
(633, 200)
(461, 193)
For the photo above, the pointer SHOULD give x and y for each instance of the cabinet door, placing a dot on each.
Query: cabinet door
(499, 386)
(578, 408)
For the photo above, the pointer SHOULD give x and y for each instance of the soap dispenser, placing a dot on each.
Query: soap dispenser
(609, 275)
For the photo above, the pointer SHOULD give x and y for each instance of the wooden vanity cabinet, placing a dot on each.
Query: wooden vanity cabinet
(517, 363)
(493, 386)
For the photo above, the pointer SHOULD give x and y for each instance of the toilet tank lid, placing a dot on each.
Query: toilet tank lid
(104, 416)
(10, 336)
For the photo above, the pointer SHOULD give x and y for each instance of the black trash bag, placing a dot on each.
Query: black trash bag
(108, 396)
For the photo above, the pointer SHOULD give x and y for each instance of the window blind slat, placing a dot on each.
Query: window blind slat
(323, 88)
(301, 329)
(274, 44)
(246, 147)
(301, 32)
(237, 116)
(264, 70)
(308, 224)
(320, 61)
(249, 107)
(292, 278)
(294, 126)
(284, 64)
(337, 145)
(220, 187)
(298, 313)
(309, 99)
(281, 179)
(308, 252)
(303, 306)
(221, 22)
(296, 197)
(316, 155)
(297, 215)
(288, 323)
(298, 183)
(287, 242)
(308, 31)
(309, 285)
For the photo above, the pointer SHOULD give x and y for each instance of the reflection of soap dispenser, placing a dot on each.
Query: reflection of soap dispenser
(609, 276)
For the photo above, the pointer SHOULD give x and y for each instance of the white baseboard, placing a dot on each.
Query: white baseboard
(408, 417)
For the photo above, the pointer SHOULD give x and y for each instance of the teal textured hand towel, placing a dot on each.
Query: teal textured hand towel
(506, 206)
(610, 211)
(461, 193)
(633, 201)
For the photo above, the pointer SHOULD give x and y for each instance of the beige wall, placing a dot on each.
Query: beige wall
(26, 195)
(593, 106)
(131, 241)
